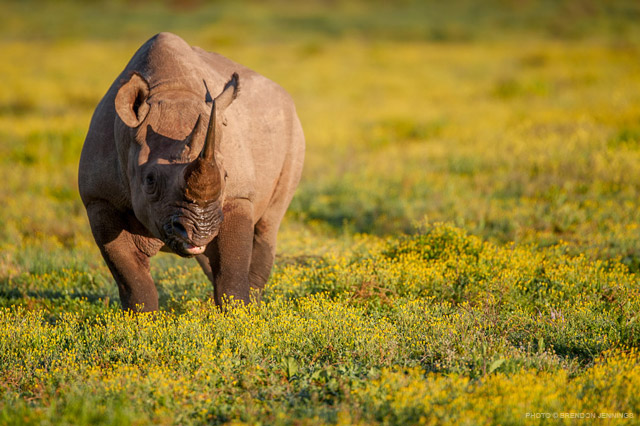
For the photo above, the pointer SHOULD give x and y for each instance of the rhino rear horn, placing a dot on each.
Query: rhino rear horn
(220, 104)
(131, 99)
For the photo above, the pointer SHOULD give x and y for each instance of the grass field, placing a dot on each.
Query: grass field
(464, 246)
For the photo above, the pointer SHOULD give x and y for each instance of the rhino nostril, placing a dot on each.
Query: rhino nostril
(179, 229)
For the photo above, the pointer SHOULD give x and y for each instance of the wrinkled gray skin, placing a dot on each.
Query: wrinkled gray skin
(148, 181)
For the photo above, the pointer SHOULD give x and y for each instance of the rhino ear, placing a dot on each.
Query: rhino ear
(130, 100)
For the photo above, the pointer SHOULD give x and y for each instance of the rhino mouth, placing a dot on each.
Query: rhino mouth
(194, 250)
(187, 237)
(181, 245)
(186, 249)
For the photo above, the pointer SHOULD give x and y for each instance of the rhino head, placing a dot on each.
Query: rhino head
(177, 191)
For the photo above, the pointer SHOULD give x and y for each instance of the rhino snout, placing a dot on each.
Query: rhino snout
(179, 230)
(184, 238)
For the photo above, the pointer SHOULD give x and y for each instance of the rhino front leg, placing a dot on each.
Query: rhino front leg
(128, 264)
(229, 254)
(262, 257)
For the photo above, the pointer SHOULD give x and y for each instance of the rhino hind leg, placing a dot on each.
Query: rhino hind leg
(262, 255)
(266, 229)
(264, 247)
(203, 261)
(128, 264)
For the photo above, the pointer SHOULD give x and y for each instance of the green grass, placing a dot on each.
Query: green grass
(463, 247)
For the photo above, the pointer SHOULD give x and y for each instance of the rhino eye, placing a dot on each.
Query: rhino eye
(150, 182)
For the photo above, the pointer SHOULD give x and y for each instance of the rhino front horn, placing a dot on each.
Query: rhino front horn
(202, 176)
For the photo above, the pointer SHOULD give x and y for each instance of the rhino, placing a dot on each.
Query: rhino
(167, 166)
